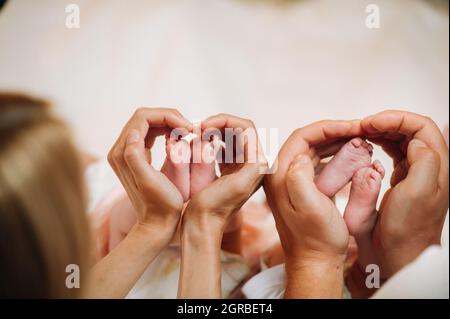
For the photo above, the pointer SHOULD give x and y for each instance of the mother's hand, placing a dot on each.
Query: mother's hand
(413, 210)
(313, 233)
(156, 200)
(209, 210)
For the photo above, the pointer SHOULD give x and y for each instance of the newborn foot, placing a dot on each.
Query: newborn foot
(360, 214)
(176, 165)
(353, 156)
(203, 170)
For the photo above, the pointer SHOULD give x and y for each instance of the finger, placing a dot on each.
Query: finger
(139, 168)
(221, 121)
(391, 148)
(316, 134)
(300, 184)
(117, 162)
(424, 169)
(400, 172)
(412, 126)
(153, 133)
(159, 119)
(140, 123)
(243, 129)
(327, 150)
(406, 123)
(328, 131)
(250, 175)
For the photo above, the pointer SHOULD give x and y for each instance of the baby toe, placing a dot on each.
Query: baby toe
(357, 142)
(179, 152)
(379, 168)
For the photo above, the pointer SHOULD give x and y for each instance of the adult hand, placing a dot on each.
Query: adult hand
(157, 201)
(313, 233)
(413, 210)
(208, 211)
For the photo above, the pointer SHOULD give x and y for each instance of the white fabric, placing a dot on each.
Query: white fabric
(426, 277)
(101, 181)
(160, 280)
(268, 284)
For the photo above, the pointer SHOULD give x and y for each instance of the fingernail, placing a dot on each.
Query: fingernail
(133, 137)
(417, 143)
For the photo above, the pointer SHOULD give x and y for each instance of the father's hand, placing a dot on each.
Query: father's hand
(413, 211)
(313, 233)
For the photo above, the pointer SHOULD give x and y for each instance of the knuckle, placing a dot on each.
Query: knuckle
(174, 111)
(249, 123)
(110, 158)
(140, 111)
(291, 175)
(428, 120)
(296, 132)
(322, 122)
(129, 154)
(115, 157)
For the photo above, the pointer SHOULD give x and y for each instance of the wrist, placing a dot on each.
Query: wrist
(158, 234)
(201, 236)
(315, 275)
(202, 223)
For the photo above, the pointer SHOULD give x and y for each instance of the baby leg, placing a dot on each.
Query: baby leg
(360, 214)
(203, 173)
(176, 166)
(354, 155)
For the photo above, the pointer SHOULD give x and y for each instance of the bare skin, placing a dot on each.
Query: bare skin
(312, 231)
(156, 201)
(353, 156)
(177, 165)
(189, 178)
(360, 214)
(208, 212)
(412, 211)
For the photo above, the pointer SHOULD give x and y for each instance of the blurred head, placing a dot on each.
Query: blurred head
(43, 227)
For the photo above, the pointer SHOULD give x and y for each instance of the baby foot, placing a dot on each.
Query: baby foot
(203, 172)
(360, 214)
(177, 165)
(354, 155)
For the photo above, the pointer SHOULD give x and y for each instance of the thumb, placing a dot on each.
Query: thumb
(302, 191)
(134, 156)
(424, 166)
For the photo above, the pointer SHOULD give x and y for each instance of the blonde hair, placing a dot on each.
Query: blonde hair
(43, 227)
